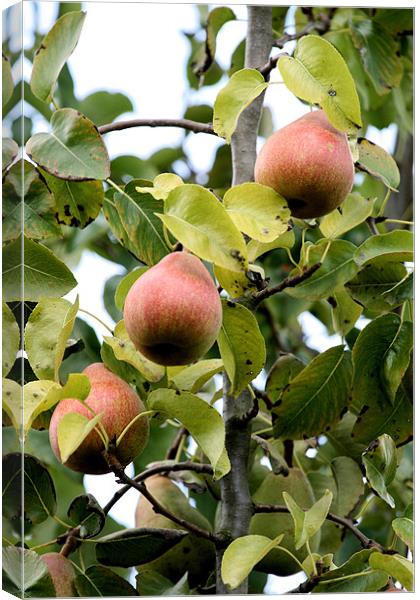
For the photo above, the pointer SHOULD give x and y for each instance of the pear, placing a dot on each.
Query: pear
(62, 574)
(112, 396)
(271, 525)
(193, 554)
(309, 163)
(173, 312)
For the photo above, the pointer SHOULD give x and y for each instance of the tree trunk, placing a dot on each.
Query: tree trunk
(235, 496)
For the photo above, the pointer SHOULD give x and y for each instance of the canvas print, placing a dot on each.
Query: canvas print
(207, 299)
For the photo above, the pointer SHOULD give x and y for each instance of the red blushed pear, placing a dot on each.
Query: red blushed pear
(309, 163)
(173, 312)
(112, 396)
(62, 574)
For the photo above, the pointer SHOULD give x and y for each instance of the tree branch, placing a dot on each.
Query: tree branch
(182, 466)
(236, 502)
(140, 486)
(286, 283)
(365, 541)
(321, 25)
(194, 126)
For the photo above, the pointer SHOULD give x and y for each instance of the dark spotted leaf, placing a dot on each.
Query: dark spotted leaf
(377, 162)
(86, 512)
(77, 203)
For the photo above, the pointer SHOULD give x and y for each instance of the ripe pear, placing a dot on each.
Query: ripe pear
(62, 574)
(193, 554)
(112, 396)
(173, 312)
(309, 163)
(273, 524)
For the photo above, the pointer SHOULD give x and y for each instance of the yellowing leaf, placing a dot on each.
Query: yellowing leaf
(318, 74)
(72, 430)
(242, 88)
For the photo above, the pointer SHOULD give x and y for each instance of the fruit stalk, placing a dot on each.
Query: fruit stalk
(235, 496)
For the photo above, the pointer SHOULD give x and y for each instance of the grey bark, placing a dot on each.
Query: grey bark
(235, 495)
(258, 47)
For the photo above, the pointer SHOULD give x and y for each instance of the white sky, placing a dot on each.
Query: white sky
(138, 49)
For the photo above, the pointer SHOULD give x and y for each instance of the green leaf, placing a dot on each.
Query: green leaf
(162, 185)
(7, 80)
(9, 151)
(77, 203)
(152, 583)
(345, 311)
(206, 53)
(377, 162)
(39, 501)
(25, 192)
(308, 522)
(382, 285)
(404, 528)
(337, 268)
(257, 249)
(55, 49)
(241, 556)
(125, 350)
(46, 334)
(73, 150)
(241, 346)
(125, 284)
(137, 218)
(72, 430)
(193, 377)
(379, 53)
(357, 576)
(379, 416)
(318, 74)
(349, 485)
(397, 359)
(380, 461)
(200, 222)
(316, 397)
(43, 273)
(258, 211)
(10, 340)
(396, 245)
(136, 546)
(375, 364)
(103, 107)
(281, 373)
(242, 88)
(26, 574)
(85, 511)
(354, 210)
(396, 566)
(100, 581)
(202, 421)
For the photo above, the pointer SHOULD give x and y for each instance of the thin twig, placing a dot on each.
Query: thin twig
(194, 126)
(286, 283)
(182, 466)
(173, 448)
(140, 486)
(365, 541)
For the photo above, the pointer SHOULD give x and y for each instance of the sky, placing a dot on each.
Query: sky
(139, 50)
